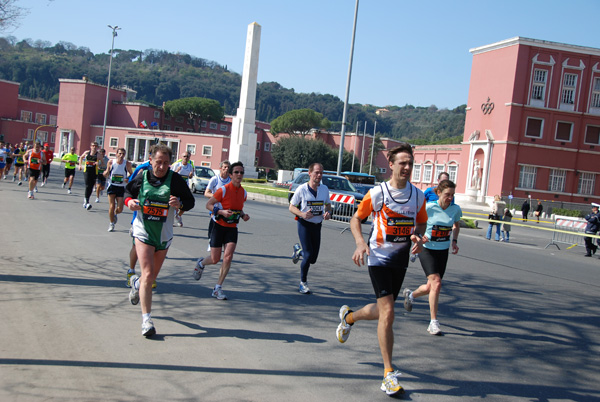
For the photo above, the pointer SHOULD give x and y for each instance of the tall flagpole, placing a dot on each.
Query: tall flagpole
(343, 133)
(112, 47)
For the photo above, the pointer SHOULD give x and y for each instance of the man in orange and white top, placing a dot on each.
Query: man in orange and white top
(227, 205)
(399, 221)
(35, 158)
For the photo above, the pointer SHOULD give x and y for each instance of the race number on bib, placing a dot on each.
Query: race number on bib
(316, 207)
(398, 230)
(156, 211)
(440, 233)
(117, 179)
(234, 218)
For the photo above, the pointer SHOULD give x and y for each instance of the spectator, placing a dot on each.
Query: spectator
(506, 226)
(538, 210)
(525, 209)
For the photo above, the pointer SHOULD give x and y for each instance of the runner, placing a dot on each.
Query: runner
(442, 232)
(310, 204)
(117, 171)
(89, 163)
(215, 183)
(227, 205)
(35, 159)
(157, 194)
(399, 220)
(185, 168)
(19, 163)
(101, 182)
(3, 157)
(46, 168)
(9, 160)
(70, 161)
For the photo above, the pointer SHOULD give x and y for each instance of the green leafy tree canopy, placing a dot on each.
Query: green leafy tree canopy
(202, 108)
(299, 152)
(299, 121)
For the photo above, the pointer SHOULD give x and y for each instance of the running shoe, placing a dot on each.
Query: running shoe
(69, 191)
(407, 301)
(343, 330)
(30, 195)
(296, 254)
(20, 183)
(63, 186)
(35, 189)
(111, 227)
(304, 288)
(390, 384)
(14, 178)
(218, 294)
(434, 328)
(198, 269)
(88, 207)
(148, 328)
(134, 294)
(84, 204)
(179, 221)
(130, 273)
(43, 183)
(97, 199)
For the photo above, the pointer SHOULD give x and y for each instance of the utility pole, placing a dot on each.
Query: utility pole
(112, 47)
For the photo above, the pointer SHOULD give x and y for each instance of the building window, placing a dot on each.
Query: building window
(427, 172)
(539, 84)
(40, 118)
(177, 128)
(568, 92)
(258, 145)
(557, 180)
(167, 117)
(191, 148)
(42, 136)
(534, 127)
(52, 121)
(586, 183)
(189, 130)
(267, 146)
(203, 124)
(382, 170)
(99, 141)
(166, 127)
(30, 134)
(178, 119)
(256, 161)
(438, 169)
(213, 126)
(452, 172)
(26, 116)
(223, 127)
(157, 114)
(596, 93)
(416, 177)
(207, 150)
(53, 138)
(592, 135)
(527, 176)
(563, 131)
(205, 164)
(114, 142)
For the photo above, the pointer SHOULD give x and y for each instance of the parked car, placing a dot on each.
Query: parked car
(335, 184)
(200, 180)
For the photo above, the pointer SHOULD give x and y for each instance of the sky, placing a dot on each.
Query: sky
(406, 52)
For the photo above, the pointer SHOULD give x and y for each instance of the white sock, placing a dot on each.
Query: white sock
(410, 297)
(217, 287)
(146, 317)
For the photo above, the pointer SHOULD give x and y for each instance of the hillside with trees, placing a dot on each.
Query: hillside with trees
(159, 76)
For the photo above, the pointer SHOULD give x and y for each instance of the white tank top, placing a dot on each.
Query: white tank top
(118, 173)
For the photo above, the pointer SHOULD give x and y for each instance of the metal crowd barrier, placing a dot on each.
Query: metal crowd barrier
(343, 206)
(564, 233)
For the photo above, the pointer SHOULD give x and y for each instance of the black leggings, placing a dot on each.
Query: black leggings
(90, 179)
(310, 239)
(45, 171)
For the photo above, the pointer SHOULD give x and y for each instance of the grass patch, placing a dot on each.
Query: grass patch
(266, 189)
(470, 223)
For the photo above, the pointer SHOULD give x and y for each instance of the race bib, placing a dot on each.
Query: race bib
(398, 230)
(34, 161)
(234, 218)
(70, 163)
(155, 211)
(117, 179)
(2, 159)
(90, 163)
(316, 207)
(440, 233)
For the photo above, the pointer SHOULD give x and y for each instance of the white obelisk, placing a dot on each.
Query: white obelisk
(243, 136)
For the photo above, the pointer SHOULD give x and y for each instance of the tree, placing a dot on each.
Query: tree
(201, 108)
(299, 121)
(10, 14)
(299, 152)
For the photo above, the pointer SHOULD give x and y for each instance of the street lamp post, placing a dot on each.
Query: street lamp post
(112, 47)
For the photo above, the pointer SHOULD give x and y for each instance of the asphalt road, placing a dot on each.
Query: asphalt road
(520, 322)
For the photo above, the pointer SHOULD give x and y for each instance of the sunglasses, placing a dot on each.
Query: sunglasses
(238, 172)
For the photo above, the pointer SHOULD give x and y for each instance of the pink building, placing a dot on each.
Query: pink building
(23, 119)
(533, 122)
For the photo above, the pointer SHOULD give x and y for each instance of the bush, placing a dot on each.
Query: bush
(567, 212)
(254, 180)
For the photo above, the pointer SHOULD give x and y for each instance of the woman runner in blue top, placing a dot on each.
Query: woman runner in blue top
(442, 233)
